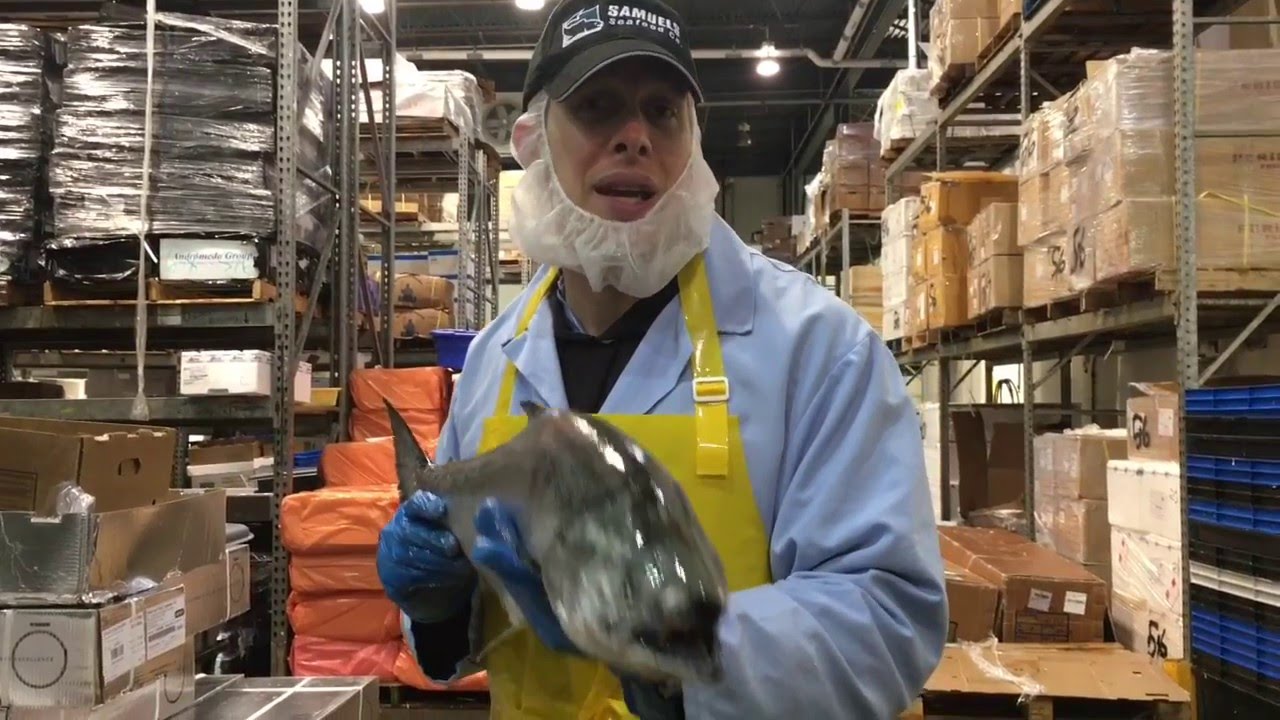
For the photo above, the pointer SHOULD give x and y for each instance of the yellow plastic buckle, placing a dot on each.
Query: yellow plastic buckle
(711, 389)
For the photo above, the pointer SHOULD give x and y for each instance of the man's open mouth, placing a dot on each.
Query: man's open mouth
(626, 190)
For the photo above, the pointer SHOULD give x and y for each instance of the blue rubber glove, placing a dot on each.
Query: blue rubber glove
(420, 563)
(500, 550)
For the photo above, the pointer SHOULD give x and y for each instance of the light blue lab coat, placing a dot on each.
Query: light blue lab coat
(856, 617)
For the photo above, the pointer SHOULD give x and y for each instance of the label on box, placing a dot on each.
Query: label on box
(1164, 423)
(1075, 603)
(166, 626)
(123, 647)
(1040, 600)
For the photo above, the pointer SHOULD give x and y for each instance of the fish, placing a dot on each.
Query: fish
(629, 571)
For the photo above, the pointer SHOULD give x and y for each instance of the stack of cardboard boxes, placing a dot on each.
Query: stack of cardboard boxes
(940, 249)
(863, 289)
(995, 260)
(784, 237)
(1044, 207)
(109, 574)
(1146, 527)
(854, 172)
(897, 228)
(960, 30)
(1071, 494)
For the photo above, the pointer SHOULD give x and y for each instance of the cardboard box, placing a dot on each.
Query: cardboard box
(953, 199)
(948, 306)
(994, 231)
(1057, 200)
(1152, 410)
(1238, 179)
(236, 372)
(894, 322)
(83, 657)
(1154, 632)
(79, 558)
(1132, 165)
(1102, 672)
(1031, 209)
(1082, 257)
(217, 592)
(1044, 597)
(995, 284)
(413, 292)
(989, 456)
(420, 323)
(1144, 496)
(918, 309)
(965, 38)
(972, 604)
(1080, 531)
(1237, 91)
(948, 251)
(1045, 276)
(122, 466)
(1080, 461)
(1134, 236)
(1149, 569)
(919, 258)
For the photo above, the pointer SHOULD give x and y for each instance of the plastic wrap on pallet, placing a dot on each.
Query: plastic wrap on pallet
(1146, 593)
(897, 227)
(1132, 237)
(452, 95)
(212, 141)
(1237, 91)
(23, 96)
(1044, 271)
(1136, 92)
(905, 108)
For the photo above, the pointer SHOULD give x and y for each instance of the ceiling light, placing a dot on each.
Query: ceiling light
(768, 65)
(374, 7)
(530, 4)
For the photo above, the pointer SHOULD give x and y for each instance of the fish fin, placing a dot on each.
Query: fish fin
(410, 458)
(532, 409)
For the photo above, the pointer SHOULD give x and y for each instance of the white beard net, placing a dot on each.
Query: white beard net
(637, 258)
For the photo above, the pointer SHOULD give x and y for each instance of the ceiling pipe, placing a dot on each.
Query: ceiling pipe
(526, 54)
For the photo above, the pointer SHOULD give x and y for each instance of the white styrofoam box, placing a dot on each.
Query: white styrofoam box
(236, 372)
(441, 263)
(898, 219)
(234, 477)
(1147, 567)
(894, 321)
(1153, 632)
(1144, 496)
(197, 259)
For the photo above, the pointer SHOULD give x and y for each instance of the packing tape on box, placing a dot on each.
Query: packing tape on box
(1248, 207)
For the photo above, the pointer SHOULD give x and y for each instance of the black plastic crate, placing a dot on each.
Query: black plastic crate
(1248, 438)
(1258, 548)
(1235, 607)
(1245, 563)
(1255, 697)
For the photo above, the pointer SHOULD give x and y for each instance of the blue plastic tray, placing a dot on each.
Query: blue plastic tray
(1241, 517)
(1250, 401)
(1242, 643)
(452, 346)
(1265, 473)
(309, 459)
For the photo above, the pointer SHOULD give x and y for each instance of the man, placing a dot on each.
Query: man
(778, 409)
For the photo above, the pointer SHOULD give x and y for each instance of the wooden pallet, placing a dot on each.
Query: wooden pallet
(1253, 280)
(1006, 31)
(427, 128)
(123, 293)
(995, 320)
(14, 294)
(182, 292)
(1082, 302)
(973, 707)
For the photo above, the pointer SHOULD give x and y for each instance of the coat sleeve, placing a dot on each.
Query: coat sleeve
(856, 618)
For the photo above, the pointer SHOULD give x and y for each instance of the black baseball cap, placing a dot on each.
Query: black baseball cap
(583, 36)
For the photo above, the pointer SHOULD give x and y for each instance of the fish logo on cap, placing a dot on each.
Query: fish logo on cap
(581, 24)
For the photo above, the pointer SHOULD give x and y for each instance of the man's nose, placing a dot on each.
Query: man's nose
(633, 138)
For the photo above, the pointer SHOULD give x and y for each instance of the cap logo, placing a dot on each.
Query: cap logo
(581, 24)
(626, 15)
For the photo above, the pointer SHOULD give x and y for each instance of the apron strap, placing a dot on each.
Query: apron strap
(710, 384)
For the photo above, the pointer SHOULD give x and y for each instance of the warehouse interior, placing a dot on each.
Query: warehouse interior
(232, 230)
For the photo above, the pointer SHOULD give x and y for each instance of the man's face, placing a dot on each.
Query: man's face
(622, 139)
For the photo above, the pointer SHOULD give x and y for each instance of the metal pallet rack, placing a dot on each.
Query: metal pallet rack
(281, 324)
(1180, 317)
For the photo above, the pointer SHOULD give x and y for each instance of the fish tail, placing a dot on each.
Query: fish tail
(411, 461)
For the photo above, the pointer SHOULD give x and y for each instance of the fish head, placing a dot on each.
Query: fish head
(639, 584)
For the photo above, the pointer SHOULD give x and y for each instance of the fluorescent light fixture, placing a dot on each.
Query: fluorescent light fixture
(374, 7)
(768, 65)
(530, 4)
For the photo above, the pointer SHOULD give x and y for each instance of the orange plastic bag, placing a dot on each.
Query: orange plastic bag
(316, 657)
(358, 464)
(320, 574)
(425, 388)
(374, 424)
(350, 617)
(408, 672)
(339, 521)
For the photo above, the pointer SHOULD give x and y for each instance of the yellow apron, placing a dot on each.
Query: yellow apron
(703, 451)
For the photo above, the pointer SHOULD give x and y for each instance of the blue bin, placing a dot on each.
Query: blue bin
(451, 347)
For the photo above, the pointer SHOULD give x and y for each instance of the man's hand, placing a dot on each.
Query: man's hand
(420, 563)
(500, 549)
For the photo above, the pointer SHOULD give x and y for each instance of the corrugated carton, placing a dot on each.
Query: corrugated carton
(947, 304)
(1152, 410)
(994, 231)
(948, 251)
(1045, 275)
(1237, 91)
(955, 198)
(995, 284)
(972, 604)
(1135, 236)
(1238, 211)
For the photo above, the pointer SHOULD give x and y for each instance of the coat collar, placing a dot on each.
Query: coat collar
(662, 357)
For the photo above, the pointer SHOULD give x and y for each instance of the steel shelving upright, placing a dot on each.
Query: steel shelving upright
(282, 324)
